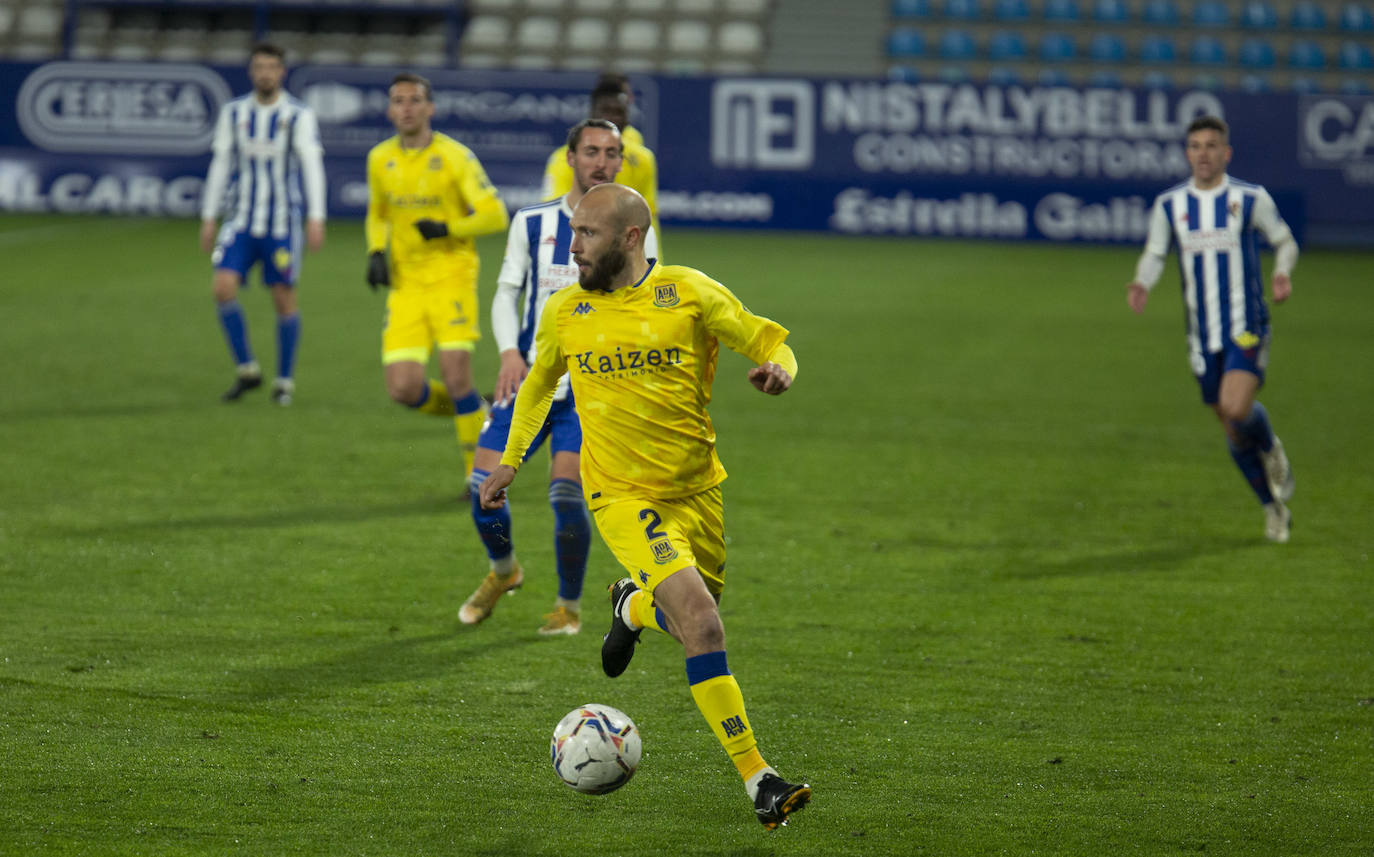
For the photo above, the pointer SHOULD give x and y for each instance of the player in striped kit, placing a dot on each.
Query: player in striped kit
(267, 166)
(538, 263)
(1215, 221)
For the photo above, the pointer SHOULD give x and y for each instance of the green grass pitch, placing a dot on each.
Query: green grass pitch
(995, 586)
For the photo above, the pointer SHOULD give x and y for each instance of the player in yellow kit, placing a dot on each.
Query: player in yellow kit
(639, 343)
(428, 199)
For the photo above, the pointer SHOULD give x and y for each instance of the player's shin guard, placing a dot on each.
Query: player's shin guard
(235, 326)
(288, 335)
(434, 400)
(467, 420)
(1255, 429)
(572, 536)
(493, 525)
(718, 697)
(1251, 466)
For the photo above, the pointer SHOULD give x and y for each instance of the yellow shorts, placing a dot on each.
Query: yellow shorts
(655, 538)
(420, 318)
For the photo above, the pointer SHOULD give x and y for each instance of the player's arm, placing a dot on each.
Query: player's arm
(558, 176)
(1151, 263)
(760, 339)
(216, 180)
(311, 154)
(486, 212)
(505, 310)
(1276, 231)
(377, 224)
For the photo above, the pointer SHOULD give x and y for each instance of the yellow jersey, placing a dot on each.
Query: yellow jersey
(443, 181)
(641, 360)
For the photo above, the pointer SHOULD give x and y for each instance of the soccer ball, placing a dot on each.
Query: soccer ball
(595, 749)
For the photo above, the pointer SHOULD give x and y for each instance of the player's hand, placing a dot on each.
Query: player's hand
(314, 235)
(1136, 296)
(1282, 287)
(770, 378)
(377, 273)
(513, 371)
(493, 488)
(207, 236)
(431, 229)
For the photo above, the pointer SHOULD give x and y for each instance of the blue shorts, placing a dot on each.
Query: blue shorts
(562, 427)
(240, 251)
(1232, 357)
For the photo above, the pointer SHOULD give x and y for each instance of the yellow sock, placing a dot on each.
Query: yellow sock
(720, 701)
(645, 612)
(469, 427)
(436, 402)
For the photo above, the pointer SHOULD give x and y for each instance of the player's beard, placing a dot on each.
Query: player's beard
(604, 272)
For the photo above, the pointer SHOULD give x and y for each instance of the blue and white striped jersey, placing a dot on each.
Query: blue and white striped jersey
(265, 157)
(1217, 233)
(538, 263)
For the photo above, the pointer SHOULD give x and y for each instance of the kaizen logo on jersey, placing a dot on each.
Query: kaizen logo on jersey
(627, 361)
(763, 124)
(121, 108)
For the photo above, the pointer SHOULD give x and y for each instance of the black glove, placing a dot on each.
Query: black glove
(432, 229)
(377, 273)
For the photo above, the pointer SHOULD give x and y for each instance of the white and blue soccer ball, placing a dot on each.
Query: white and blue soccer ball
(595, 748)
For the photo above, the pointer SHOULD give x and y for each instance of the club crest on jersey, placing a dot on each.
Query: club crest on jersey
(664, 552)
(1234, 208)
(583, 308)
(665, 295)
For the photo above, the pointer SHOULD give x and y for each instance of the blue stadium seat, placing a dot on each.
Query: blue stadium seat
(1355, 57)
(958, 45)
(1011, 10)
(1254, 83)
(1053, 77)
(1356, 18)
(1157, 80)
(1062, 11)
(906, 42)
(1107, 47)
(1057, 47)
(1105, 78)
(963, 10)
(1307, 15)
(1210, 13)
(904, 73)
(1306, 54)
(911, 8)
(954, 74)
(1111, 12)
(1006, 45)
(1000, 75)
(1160, 13)
(1354, 86)
(1259, 15)
(1207, 50)
(1158, 49)
(1305, 86)
(1256, 53)
(1207, 81)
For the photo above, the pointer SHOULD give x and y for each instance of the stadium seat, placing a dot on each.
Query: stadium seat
(903, 73)
(1307, 15)
(39, 22)
(739, 38)
(1057, 47)
(752, 9)
(1011, 11)
(539, 33)
(1259, 15)
(1160, 13)
(954, 74)
(1210, 13)
(1157, 80)
(1158, 49)
(1357, 18)
(486, 31)
(1000, 75)
(1062, 11)
(958, 45)
(1354, 86)
(1208, 81)
(1256, 53)
(1053, 77)
(637, 35)
(906, 42)
(1107, 47)
(1006, 45)
(1111, 12)
(1354, 56)
(640, 8)
(1254, 83)
(963, 10)
(1207, 50)
(593, 7)
(1105, 78)
(588, 34)
(1306, 54)
(911, 8)
(1305, 86)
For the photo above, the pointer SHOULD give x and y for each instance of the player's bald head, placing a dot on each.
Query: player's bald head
(617, 207)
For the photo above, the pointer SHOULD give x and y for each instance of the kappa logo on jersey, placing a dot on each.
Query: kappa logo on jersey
(583, 308)
(665, 295)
